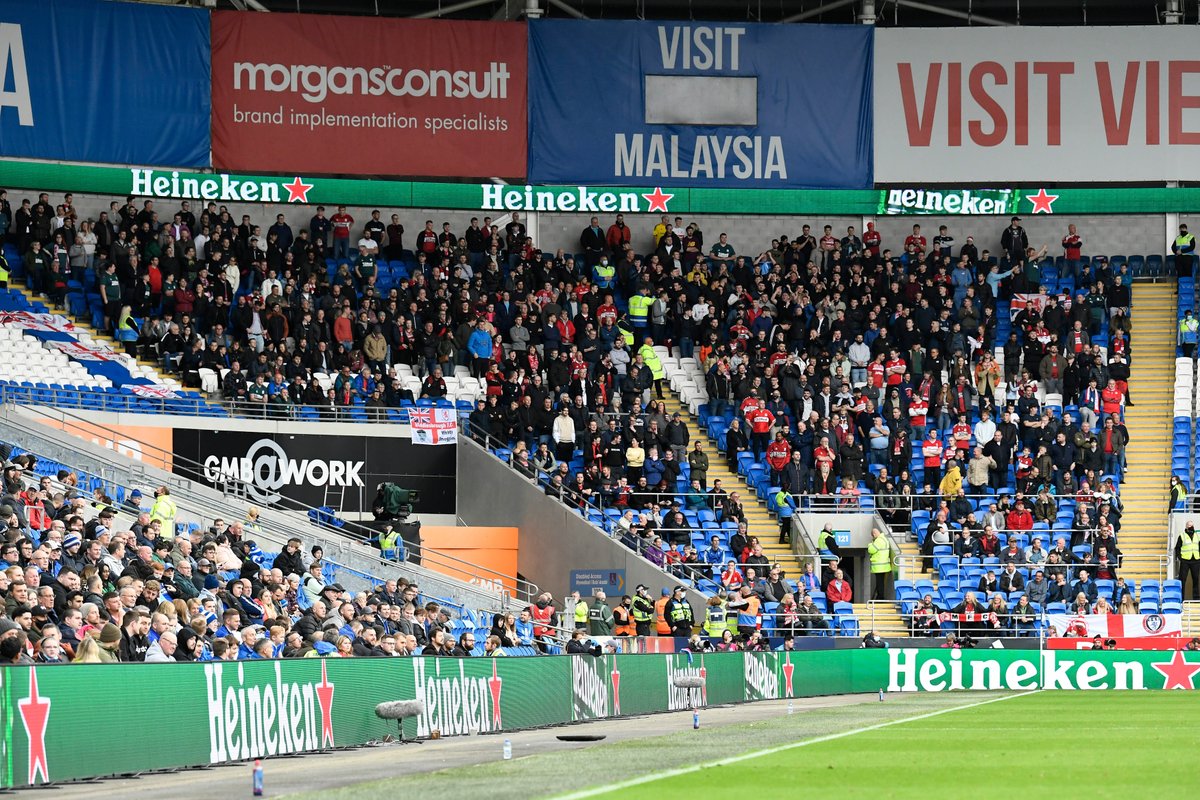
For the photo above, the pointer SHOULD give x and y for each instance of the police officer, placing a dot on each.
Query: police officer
(643, 611)
(679, 613)
(1187, 554)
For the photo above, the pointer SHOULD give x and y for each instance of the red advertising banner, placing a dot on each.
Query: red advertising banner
(310, 94)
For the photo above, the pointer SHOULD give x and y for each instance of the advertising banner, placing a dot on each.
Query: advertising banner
(1037, 104)
(65, 72)
(146, 182)
(317, 470)
(698, 104)
(235, 711)
(947, 670)
(368, 95)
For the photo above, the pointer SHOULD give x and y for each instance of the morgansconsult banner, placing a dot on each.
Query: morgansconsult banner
(364, 95)
(1037, 104)
(695, 104)
(65, 91)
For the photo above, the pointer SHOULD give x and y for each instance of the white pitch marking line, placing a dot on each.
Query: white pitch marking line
(671, 773)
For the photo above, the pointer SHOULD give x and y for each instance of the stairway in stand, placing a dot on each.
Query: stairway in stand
(1144, 487)
(760, 522)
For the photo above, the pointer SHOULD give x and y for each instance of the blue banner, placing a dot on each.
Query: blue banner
(700, 104)
(124, 83)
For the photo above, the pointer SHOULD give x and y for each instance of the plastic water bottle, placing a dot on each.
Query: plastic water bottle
(695, 719)
(790, 708)
(258, 778)
(881, 695)
(507, 749)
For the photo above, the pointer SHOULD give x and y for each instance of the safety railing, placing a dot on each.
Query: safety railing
(343, 544)
(916, 567)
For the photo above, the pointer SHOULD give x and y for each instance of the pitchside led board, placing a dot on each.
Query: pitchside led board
(691, 104)
(1037, 104)
(304, 93)
(106, 82)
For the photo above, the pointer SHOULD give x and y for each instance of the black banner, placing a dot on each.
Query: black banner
(292, 470)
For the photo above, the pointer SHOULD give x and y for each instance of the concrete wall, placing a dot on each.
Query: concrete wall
(553, 539)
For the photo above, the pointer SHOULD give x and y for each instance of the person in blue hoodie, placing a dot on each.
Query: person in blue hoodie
(479, 344)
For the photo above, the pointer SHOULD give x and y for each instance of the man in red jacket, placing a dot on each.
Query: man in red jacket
(760, 420)
(1110, 401)
(839, 589)
(779, 453)
(1019, 519)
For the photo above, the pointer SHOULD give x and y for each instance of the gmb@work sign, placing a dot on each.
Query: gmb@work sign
(700, 104)
(364, 95)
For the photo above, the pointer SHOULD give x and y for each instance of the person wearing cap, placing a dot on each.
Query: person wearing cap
(678, 613)
(110, 644)
(133, 502)
(1014, 241)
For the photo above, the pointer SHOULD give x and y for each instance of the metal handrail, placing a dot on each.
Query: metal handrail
(911, 567)
(234, 488)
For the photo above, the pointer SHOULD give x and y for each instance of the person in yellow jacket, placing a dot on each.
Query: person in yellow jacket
(164, 511)
(879, 551)
(1187, 556)
(639, 309)
(952, 481)
(715, 623)
(650, 356)
(581, 611)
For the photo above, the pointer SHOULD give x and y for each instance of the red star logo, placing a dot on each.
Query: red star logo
(495, 686)
(788, 670)
(1177, 673)
(325, 699)
(297, 190)
(35, 713)
(658, 200)
(616, 684)
(1042, 202)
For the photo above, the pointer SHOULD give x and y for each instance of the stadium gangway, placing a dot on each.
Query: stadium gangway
(464, 581)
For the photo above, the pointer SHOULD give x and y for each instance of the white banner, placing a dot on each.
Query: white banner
(433, 425)
(1130, 626)
(1036, 104)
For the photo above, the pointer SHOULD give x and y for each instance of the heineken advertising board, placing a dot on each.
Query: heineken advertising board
(197, 714)
(499, 199)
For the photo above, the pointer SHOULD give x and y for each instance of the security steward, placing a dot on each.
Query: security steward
(679, 613)
(643, 611)
(1187, 554)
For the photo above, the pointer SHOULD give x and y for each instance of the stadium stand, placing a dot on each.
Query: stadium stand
(828, 373)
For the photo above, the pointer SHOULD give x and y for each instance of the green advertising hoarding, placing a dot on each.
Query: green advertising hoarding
(67, 722)
(498, 199)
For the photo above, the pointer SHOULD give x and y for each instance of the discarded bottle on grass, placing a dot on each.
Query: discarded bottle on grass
(258, 778)
(695, 720)
(507, 749)
(881, 695)
(790, 708)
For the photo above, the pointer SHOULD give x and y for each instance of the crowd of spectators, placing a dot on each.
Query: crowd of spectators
(848, 364)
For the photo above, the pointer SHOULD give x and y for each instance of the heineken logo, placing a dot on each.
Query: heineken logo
(221, 187)
(680, 698)
(762, 683)
(578, 198)
(590, 687)
(455, 704)
(961, 201)
(937, 671)
(266, 719)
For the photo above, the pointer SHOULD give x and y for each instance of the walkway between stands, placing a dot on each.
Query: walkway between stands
(1144, 486)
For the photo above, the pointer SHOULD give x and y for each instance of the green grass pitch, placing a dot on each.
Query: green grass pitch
(1072, 744)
